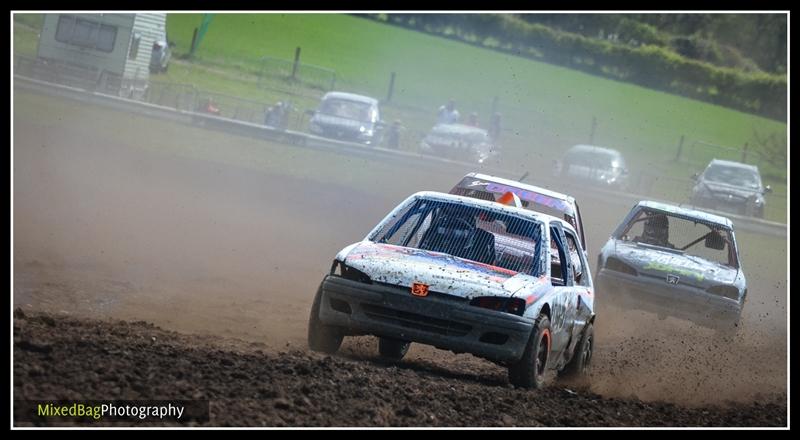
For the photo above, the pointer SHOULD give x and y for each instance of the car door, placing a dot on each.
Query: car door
(563, 305)
(584, 291)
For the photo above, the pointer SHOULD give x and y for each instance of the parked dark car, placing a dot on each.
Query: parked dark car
(604, 167)
(731, 187)
(348, 117)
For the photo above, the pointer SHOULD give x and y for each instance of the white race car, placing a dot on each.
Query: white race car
(466, 275)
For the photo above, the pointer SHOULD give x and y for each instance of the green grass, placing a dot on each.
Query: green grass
(546, 108)
(550, 107)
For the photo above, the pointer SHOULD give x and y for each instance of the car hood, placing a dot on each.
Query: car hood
(718, 189)
(692, 270)
(443, 273)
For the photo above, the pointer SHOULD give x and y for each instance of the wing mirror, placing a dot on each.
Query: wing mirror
(695, 176)
(767, 189)
(715, 241)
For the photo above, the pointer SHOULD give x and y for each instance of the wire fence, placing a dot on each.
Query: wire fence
(295, 74)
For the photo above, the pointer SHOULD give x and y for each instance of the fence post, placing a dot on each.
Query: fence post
(744, 153)
(296, 61)
(594, 126)
(391, 87)
(680, 150)
(194, 39)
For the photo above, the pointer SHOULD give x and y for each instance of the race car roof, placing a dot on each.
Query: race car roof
(686, 212)
(525, 186)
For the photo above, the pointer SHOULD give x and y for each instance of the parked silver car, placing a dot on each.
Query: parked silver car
(348, 117)
(459, 142)
(597, 165)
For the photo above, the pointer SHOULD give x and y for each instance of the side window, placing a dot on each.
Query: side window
(85, 33)
(578, 267)
(559, 275)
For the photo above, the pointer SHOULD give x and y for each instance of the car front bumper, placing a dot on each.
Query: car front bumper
(679, 301)
(445, 323)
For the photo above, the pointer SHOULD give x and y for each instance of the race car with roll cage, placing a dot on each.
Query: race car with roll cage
(674, 261)
(486, 187)
(465, 275)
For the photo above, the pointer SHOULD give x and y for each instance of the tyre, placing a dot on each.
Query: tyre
(529, 372)
(321, 337)
(581, 361)
(392, 349)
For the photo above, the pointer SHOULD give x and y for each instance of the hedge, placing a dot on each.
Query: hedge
(647, 65)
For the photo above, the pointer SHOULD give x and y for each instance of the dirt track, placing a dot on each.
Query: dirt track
(104, 229)
(248, 385)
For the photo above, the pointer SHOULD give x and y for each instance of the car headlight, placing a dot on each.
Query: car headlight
(759, 201)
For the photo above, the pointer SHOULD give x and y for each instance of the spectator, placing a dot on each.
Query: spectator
(495, 127)
(448, 113)
(393, 135)
(473, 119)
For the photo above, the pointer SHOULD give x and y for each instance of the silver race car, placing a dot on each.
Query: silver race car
(466, 275)
(674, 261)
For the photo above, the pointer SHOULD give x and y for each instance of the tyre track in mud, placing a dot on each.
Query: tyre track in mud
(56, 357)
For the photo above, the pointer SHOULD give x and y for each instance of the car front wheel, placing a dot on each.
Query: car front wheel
(321, 337)
(529, 372)
(392, 349)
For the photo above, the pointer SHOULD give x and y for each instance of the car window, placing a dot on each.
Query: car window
(733, 176)
(469, 232)
(558, 270)
(688, 236)
(358, 111)
(578, 270)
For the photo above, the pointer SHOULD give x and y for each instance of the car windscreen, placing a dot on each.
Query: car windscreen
(595, 159)
(472, 233)
(732, 176)
(692, 237)
(359, 111)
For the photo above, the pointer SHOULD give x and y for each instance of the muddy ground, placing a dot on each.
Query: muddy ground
(248, 384)
(230, 256)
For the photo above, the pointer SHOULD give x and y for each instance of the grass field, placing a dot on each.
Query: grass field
(545, 108)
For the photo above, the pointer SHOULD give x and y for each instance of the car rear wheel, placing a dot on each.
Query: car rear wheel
(582, 359)
(321, 337)
(392, 349)
(529, 372)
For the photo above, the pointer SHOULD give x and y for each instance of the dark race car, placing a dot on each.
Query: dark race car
(466, 275)
(677, 262)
